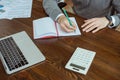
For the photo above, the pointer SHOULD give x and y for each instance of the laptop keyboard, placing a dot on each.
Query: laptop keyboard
(13, 56)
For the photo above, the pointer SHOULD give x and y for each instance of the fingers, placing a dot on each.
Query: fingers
(97, 29)
(87, 22)
(65, 26)
(89, 27)
(94, 24)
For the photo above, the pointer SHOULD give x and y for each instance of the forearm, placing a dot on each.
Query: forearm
(51, 8)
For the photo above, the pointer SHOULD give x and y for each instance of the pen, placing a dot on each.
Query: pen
(67, 16)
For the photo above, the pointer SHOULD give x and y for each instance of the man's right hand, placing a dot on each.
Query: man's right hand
(62, 20)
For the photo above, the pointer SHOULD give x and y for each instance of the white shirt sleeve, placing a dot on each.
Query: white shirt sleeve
(113, 21)
(59, 16)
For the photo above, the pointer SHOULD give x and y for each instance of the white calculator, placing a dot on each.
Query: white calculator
(80, 60)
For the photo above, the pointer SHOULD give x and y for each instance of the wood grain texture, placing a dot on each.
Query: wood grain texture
(106, 44)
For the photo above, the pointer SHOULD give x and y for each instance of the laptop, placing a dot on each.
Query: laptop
(17, 52)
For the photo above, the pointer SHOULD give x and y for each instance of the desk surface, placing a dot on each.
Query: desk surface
(106, 44)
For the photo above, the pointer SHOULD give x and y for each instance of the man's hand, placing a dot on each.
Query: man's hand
(95, 24)
(62, 20)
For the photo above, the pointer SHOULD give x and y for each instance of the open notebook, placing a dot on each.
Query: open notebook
(18, 52)
(47, 28)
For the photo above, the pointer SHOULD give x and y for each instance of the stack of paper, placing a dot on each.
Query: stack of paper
(10, 9)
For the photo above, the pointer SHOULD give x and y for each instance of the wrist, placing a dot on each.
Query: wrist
(60, 19)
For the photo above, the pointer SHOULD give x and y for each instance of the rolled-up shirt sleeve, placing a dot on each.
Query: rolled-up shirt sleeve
(59, 16)
(116, 17)
(51, 8)
(115, 21)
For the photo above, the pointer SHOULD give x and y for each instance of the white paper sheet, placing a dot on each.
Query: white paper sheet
(15, 9)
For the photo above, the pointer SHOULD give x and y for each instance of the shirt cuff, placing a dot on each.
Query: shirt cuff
(113, 22)
(60, 1)
(59, 16)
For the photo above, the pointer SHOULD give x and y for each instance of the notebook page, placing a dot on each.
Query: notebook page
(63, 33)
(44, 27)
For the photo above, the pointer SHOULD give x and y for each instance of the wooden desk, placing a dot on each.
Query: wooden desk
(106, 44)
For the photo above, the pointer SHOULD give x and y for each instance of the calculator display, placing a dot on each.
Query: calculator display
(77, 66)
